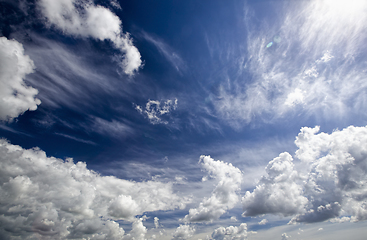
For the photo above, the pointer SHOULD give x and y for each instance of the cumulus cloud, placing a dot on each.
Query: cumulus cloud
(155, 109)
(156, 222)
(310, 68)
(333, 170)
(285, 236)
(230, 233)
(336, 182)
(47, 197)
(138, 230)
(15, 96)
(183, 232)
(278, 192)
(85, 19)
(225, 195)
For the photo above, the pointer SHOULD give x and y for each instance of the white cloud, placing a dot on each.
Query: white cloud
(263, 222)
(225, 195)
(330, 182)
(45, 196)
(230, 233)
(285, 236)
(156, 222)
(138, 230)
(325, 58)
(155, 109)
(300, 68)
(278, 192)
(336, 182)
(295, 97)
(84, 19)
(112, 128)
(183, 232)
(15, 96)
(234, 219)
(174, 59)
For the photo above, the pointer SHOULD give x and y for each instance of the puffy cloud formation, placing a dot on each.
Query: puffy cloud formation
(337, 178)
(156, 222)
(85, 19)
(50, 198)
(183, 232)
(138, 230)
(333, 173)
(285, 236)
(15, 96)
(154, 110)
(230, 233)
(225, 195)
(278, 192)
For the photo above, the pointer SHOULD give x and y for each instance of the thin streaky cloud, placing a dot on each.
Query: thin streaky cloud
(172, 57)
(76, 139)
(323, 78)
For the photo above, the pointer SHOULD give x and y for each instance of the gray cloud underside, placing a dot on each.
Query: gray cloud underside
(330, 181)
(48, 197)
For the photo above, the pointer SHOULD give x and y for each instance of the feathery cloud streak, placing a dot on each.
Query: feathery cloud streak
(310, 66)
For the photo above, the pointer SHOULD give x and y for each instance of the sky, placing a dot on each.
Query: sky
(182, 120)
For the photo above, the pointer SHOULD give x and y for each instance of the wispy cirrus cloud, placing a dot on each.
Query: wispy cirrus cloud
(307, 63)
(64, 77)
(172, 57)
(76, 139)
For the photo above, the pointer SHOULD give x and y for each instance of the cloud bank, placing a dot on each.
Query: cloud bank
(50, 198)
(331, 181)
(183, 232)
(15, 96)
(85, 19)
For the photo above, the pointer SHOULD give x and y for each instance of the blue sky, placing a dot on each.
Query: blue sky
(183, 119)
